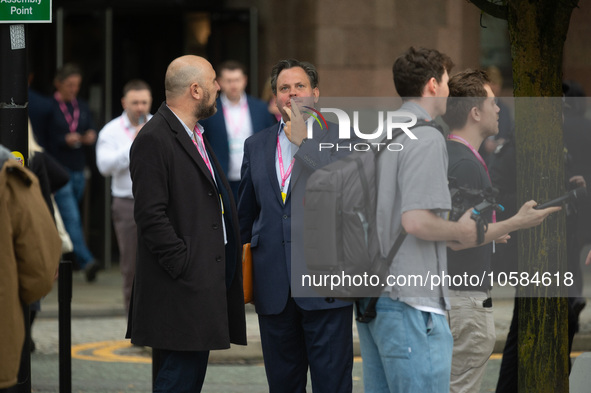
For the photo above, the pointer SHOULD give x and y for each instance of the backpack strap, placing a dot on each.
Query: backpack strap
(429, 123)
(399, 131)
(396, 246)
(395, 134)
(370, 311)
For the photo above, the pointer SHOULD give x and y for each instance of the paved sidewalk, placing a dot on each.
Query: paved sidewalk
(104, 298)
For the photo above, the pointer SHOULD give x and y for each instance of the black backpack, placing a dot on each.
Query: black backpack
(340, 234)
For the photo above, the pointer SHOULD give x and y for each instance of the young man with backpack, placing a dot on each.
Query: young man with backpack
(408, 346)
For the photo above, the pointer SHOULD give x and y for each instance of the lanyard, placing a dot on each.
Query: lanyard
(127, 129)
(72, 121)
(234, 127)
(199, 144)
(284, 175)
(479, 158)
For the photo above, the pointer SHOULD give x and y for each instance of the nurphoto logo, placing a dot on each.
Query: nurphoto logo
(386, 120)
(315, 114)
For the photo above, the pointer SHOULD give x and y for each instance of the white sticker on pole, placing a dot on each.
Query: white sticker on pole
(17, 37)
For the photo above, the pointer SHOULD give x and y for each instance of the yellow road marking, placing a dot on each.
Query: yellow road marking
(497, 356)
(105, 351)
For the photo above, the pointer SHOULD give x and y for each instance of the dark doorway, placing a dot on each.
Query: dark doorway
(115, 41)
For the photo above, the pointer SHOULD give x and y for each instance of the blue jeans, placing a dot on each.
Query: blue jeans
(68, 199)
(405, 350)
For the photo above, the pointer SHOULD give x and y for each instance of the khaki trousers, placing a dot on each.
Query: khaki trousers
(473, 328)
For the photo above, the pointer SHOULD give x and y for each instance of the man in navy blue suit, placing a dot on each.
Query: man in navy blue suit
(296, 333)
(239, 116)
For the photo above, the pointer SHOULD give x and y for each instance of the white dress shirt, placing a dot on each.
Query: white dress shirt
(238, 128)
(112, 154)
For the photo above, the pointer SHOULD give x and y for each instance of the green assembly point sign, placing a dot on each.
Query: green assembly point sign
(25, 11)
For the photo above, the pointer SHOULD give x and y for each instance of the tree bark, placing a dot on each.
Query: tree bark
(537, 31)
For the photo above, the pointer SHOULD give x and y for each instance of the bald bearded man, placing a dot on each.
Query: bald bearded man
(187, 296)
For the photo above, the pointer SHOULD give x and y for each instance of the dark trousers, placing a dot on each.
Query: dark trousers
(180, 371)
(508, 379)
(508, 382)
(296, 339)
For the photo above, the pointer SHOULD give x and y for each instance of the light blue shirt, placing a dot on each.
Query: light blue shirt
(288, 150)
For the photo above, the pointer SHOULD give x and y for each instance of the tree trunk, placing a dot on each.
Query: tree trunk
(537, 31)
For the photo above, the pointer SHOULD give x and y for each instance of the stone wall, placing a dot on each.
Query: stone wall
(354, 43)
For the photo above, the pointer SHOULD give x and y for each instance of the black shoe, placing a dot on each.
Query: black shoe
(91, 271)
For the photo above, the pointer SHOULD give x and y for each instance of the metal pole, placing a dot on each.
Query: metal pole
(59, 38)
(65, 326)
(108, 115)
(14, 135)
(13, 89)
(254, 51)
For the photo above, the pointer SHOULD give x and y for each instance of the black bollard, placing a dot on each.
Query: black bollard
(24, 372)
(65, 325)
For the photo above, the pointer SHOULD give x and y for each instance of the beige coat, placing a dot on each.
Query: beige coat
(30, 250)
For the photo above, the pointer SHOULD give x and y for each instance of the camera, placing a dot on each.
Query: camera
(482, 201)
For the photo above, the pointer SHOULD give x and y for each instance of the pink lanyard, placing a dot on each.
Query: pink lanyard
(197, 134)
(235, 127)
(72, 122)
(479, 158)
(284, 176)
(127, 129)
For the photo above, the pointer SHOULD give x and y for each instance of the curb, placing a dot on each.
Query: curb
(253, 351)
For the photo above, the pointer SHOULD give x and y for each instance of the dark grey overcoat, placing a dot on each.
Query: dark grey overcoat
(187, 293)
